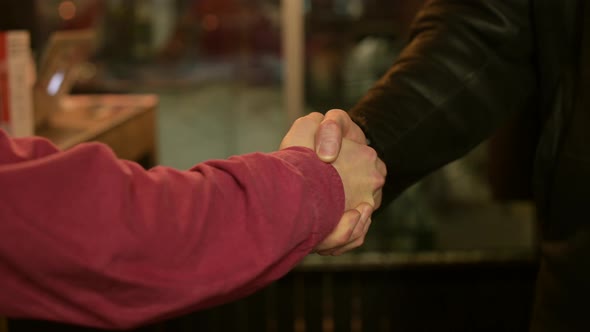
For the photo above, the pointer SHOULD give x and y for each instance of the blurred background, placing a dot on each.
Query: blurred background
(457, 252)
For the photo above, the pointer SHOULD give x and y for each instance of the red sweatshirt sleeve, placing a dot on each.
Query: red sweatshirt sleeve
(88, 239)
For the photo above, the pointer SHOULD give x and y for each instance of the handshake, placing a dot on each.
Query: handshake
(339, 141)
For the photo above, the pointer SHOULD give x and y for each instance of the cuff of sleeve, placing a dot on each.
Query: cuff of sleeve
(325, 187)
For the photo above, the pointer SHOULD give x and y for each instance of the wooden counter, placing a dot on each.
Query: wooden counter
(126, 123)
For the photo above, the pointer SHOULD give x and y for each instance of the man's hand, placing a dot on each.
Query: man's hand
(335, 132)
(302, 131)
(362, 174)
(336, 126)
(350, 232)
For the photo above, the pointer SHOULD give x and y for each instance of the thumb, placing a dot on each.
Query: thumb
(328, 140)
(302, 131)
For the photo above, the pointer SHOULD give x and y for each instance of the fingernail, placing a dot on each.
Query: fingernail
(328, 147)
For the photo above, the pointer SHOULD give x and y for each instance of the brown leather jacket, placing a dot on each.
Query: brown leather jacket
(469, 67)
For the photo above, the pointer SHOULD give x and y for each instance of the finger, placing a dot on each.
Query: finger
(337, 125)
(350, 245)
(359, 232)
(354, 244)
(366, 219)
(328, 140)
(302, 131)
(349, 128)
(365, 209)
(343, 231)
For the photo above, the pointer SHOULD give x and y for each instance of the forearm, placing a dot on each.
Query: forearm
(468, 68)
(92, 240)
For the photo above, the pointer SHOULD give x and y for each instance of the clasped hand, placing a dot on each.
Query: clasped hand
(362, 173)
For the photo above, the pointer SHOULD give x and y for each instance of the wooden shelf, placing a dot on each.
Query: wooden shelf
(126, 123)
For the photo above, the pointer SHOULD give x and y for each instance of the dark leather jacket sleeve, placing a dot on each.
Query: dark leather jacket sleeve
(466, 69)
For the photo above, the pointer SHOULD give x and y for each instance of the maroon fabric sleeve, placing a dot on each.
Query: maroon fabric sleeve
(86, 238)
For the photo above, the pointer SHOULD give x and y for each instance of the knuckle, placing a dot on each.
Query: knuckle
(379, 180)
(369, 199)
(373, 153)
(315, 116)
(370, 153)
(311, 118)
(336, 112)
(299, 121)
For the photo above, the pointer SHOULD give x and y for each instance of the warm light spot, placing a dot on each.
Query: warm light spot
(210, 22)
(67, 10)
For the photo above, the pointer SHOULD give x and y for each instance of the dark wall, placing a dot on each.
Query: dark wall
(20, 15)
